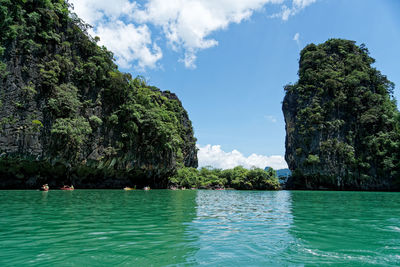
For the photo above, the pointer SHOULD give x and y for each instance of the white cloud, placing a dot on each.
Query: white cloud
(296, 37)
(214, 156)
(186, 25)
(129, 44)
(297, 6)
(95, 11)
(300, 4)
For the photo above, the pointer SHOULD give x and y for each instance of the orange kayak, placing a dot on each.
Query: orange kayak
(129, 188)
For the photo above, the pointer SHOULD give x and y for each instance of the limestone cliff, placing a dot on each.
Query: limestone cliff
(67, 115)
(342, 123)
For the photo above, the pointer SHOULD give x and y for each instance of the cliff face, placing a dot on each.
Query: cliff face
(342, 124)
(68, 115)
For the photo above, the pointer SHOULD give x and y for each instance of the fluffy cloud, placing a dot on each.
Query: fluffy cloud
(186, 25)
(214, 156)
(300, 4)
(297, 5)
(130, 42)
(95, 11)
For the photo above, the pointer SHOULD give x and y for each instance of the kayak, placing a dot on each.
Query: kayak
(44, 187)
(128, 188)
(67, 188)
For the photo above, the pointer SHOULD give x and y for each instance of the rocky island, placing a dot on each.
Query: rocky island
(342, 122)
(68, 115)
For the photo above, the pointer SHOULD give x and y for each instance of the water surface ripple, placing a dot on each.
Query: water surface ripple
(196, 227)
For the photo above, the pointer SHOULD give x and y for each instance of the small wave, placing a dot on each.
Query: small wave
(97, 233)
(394, 228)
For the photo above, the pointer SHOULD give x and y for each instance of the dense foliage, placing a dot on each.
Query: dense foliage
(342, 122)
(62, 99)
(237, 178)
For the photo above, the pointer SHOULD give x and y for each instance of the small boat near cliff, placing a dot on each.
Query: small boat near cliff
(129, 188)
(67, 188)
(45, 187)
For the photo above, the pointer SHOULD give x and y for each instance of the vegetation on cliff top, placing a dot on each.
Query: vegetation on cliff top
(342, 123)
(64, 100)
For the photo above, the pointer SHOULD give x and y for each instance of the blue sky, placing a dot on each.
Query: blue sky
(228, 60)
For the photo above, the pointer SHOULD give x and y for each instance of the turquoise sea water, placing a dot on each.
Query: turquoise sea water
(185, 228)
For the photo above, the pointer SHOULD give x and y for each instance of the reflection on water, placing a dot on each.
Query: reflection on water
(242, 227)
(214, 228)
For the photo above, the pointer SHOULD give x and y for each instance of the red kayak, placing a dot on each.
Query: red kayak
(67, 188)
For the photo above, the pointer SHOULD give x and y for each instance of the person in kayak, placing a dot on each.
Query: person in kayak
(45, 187)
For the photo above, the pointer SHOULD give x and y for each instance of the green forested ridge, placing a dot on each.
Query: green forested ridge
(236, 178)
(342, 123)
(63, 103)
